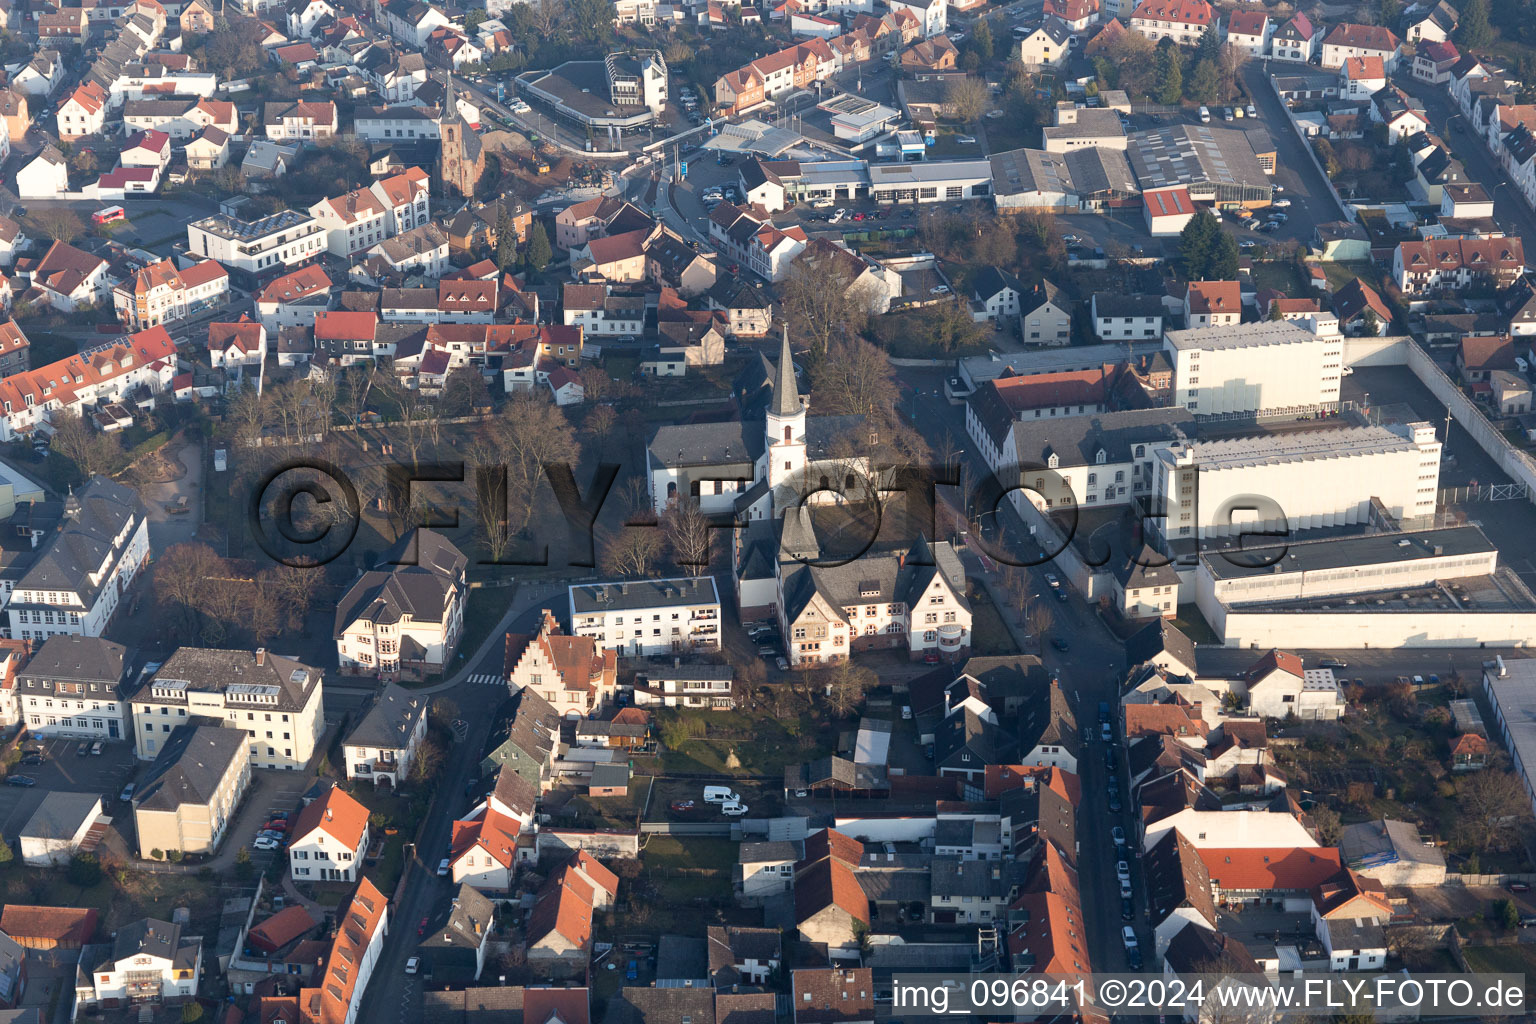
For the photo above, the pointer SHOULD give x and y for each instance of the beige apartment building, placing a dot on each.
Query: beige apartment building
(193, 789)
(275, 701)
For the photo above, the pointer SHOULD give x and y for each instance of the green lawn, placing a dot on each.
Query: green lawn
(1193, 625)
(668, 853)
(1513, 959)
(1340, 274)
(705, 740)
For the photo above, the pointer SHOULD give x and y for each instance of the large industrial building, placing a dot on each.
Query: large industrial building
(1217, 165)
(1255, 370)
(1298, 480)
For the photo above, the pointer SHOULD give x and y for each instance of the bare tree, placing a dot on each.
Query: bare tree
(601, 421)
(846, 686)
(689, 532)
(855, 379)
(595, 384)
(1491, 806)
(968, 96)
(490, 484)
(361, 378)
(58, 223)
(1229, 66)
(90, 450)
(531, 434)
(1039, 618)
(821, 301)
(632, 551)
(248, 414)
(181, 579)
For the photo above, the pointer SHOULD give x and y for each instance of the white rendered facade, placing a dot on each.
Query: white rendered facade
(643, 617)
(284, 239)
(1243, 370)
(1295, 481)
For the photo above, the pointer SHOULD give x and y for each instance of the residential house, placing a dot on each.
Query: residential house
(755, 242)
(1460, 263)
(68, 278)
(743, 955)
(995, 296)
(686, 686)
(404, 619)
(572, 673)
(1126, 317)
(1212, 304)
(146, 961)
(764, 869)
(1361, 309)
(1430, 23)
(457, 938)
(833, 995)
(1511, 393)
(1183, 21)
(1297, 39)
(1045, 318)
(72, 686)
(188, 801)
(559, 928)
(1350, 912)
(14, 108)
(488, 844)
(237, 346)
(1361, 78)
(1345, 40)
(83, 113)
(382, 746)
(663, 615)
(208, 150)
(301, 121)
(830, 905)
(293, 299)
(1249, 30)
(45, 176)
(328, 839)
(1047, 46)
(161, 292)
(1433, 62)
(361, 924)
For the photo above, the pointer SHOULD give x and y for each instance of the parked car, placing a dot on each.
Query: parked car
(96, 748)
(1247, 243)
(1050, 578)
(1127, 909)
(1280, 204)
(127, 793)
(966, 140)
(1060, 643)
(1252, 112)
(1123, 871)
(83, 750)
(262, 843)
(20, 780)
(421, 929)
(781, 663)
(412, 964)
(442, 868)
(1118, 834)
(733, 809)
(1332, 663)
(720, 795)
(1128, 935)
(1114, 801)
(682, 806)
(1111, 763)
(32, 759)
(276, 837)
(1070, 240)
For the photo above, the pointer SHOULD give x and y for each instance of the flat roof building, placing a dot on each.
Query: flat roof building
(1217, 165)
(1253, 370)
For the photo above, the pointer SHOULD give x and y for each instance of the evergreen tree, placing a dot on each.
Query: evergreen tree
(1195, 243)
(1170, 73)
(1209, 47)
(1223, 262)
(1475, 32)
(1387, 12)
(539, 253)
(981, 40)
(1275, 312)
(1205, 84)
(506, 241)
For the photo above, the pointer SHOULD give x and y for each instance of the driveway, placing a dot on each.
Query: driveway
(270, 790)
(166, 529)
(1312, 202)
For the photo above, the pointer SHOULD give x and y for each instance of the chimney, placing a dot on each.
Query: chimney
(261, 656)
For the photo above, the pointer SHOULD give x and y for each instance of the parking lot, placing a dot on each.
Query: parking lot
(66, 771)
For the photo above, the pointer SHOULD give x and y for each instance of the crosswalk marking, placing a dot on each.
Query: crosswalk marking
(486, 679)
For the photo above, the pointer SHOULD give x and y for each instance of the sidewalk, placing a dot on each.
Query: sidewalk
(523, 598)
(293, 897)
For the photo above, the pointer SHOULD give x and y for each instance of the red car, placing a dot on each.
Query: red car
(680, 806)
(276, 825)
(859, 216)
(421, 929)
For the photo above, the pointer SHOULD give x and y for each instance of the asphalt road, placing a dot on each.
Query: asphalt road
(1090, 671)
(393, 995)
(1513, 215)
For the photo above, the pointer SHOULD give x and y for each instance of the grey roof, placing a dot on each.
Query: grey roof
(212, 670)
(1187, 154)
(879, 578)
(1076, 440)
(499, 1004)
(609, 775)
(527, 732)
(630, 594)
(968, 731)
(681, 957)
(953, 876)
(60, 815)
(1147, 569)
(1386, 836)
(151, 937)
(1115, 304)
(76, 659)
(99, 512)
(1162, 635)
(1048, 721)
(469, 918)
(786, 394)
(190, 765)
(1339, 552)
(767, 852)
(416, 580)
(897, 886)
(1090, 123)
(391, 720)
(990, 281)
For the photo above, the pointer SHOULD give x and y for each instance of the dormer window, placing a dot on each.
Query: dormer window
(1053, 460)
(1101, 456)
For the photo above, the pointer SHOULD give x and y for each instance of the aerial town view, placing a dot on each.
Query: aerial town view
(766, 511)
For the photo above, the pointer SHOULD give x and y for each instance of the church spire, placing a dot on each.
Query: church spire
(786, 395)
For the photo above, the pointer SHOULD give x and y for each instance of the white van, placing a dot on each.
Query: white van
(733, 808)
(719, 795)
(1205, 115)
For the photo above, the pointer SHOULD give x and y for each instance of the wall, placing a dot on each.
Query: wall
(1301, 136)
(1330, 630)
(599, 844)
(1387, 351)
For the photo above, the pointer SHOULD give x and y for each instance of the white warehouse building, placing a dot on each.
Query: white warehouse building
(1295, 481)
(1274, 368)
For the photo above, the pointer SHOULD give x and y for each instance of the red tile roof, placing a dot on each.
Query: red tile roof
(280, 929)
(1214, 297)
(1364, 69)
(1247, 23)
(328, 1003)
(1299, 869)
(68, 926)
(1363, 37)
(301, 283)
(344, 326)
(339, 815)
(1188, 12)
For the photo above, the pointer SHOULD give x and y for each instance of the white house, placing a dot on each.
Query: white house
(45, 176)
(147, 960)
(73, 687)
(933, 15)
(648, 616)
(405, 621)
(382, 747)
(1344, 41)
(486, 845)
(1249, 30)
(1183, 21)
(329, 839)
